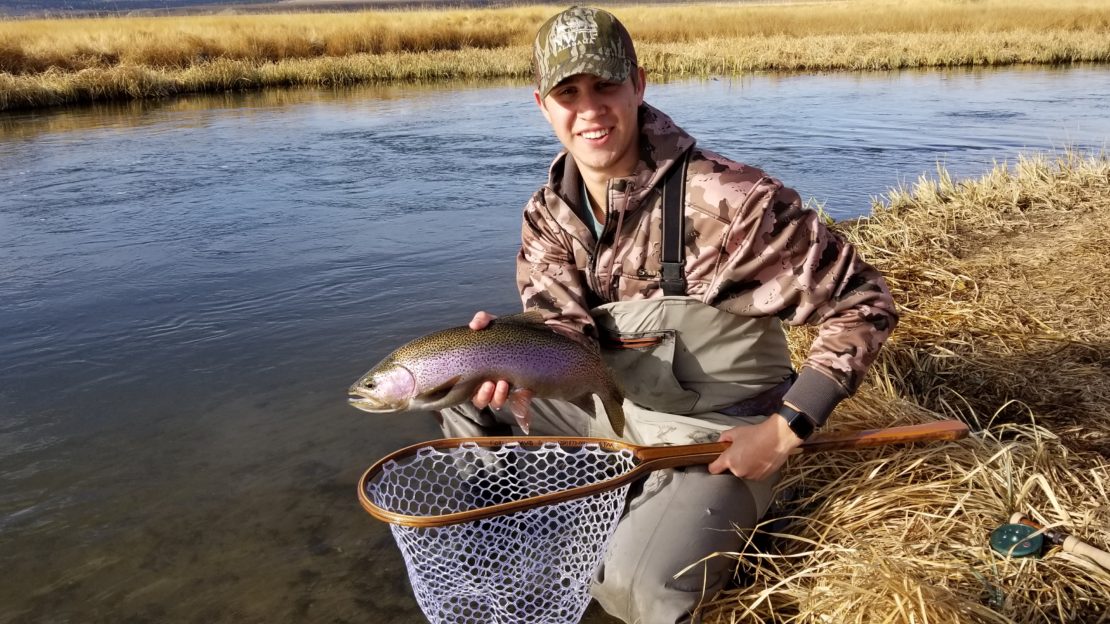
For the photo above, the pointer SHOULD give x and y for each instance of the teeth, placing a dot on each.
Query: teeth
(594, 134)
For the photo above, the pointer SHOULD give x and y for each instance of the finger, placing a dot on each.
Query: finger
(483, 395)
(718, 466)
(500, 394)
(481, 320)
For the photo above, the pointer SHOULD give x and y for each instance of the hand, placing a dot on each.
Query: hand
(493, 392)
(496, 393)
(757, 451)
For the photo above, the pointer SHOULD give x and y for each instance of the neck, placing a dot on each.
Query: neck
(597, 182)
(596, 187)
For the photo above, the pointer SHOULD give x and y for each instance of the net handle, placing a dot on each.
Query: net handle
(650, 457)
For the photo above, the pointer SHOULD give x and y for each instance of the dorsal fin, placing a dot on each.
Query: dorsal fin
(531, 318)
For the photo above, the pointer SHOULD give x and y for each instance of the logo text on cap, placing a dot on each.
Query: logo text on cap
(574, 31)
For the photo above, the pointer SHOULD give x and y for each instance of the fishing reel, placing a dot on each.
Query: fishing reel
(1024, 537)
(1016, 540)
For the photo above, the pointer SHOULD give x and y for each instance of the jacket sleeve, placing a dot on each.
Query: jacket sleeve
(779, 258)
(548, 277)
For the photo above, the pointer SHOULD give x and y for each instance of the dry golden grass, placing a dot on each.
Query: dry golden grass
(1001, 283)
(181, 42)
(903, 536)
(45, 62)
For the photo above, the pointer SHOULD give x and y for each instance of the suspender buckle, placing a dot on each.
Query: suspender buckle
(673, 253)
(674, 278)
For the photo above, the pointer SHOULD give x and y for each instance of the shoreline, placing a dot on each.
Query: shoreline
(221, 7)
(665, 62)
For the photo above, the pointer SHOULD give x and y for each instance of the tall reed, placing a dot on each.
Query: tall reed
(44, 62)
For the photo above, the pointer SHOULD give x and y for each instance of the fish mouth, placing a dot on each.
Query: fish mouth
(363, 402)
(367, 405)
(360, 399)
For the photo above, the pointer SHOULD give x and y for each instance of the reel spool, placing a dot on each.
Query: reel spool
(1016, 540)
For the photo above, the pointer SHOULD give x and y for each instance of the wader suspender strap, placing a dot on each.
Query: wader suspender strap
(674, 222)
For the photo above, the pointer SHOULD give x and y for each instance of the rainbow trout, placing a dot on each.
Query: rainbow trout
(445, 368)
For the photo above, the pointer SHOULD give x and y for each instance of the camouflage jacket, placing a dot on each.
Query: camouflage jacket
(751, 250)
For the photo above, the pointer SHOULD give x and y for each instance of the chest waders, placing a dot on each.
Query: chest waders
(689, 371)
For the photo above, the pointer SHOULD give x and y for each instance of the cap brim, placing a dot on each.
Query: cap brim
(615, 69)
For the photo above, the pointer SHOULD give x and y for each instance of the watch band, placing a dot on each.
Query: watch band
(800, 422)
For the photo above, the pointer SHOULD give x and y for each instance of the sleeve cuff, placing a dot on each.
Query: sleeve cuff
(815, 394)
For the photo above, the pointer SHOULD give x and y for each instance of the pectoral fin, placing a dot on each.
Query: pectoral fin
(441, 391)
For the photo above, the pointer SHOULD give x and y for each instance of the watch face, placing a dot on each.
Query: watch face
(799, 422)
(802, 427)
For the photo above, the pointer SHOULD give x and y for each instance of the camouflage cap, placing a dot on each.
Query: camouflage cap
(581, 40)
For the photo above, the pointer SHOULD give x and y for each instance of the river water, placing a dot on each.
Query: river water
(188, 287)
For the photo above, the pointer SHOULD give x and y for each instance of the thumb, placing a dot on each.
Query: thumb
(718, 466)
(481, 320)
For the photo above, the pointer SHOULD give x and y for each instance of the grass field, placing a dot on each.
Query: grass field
(1017, 343)
(47, 62)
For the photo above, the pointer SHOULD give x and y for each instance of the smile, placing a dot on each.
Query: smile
(594, 134)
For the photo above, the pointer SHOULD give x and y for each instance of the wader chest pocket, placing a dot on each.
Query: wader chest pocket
(643, 363)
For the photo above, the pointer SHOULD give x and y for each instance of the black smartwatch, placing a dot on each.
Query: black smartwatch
(800, 422)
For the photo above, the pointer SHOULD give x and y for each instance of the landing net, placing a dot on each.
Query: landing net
(527, 567)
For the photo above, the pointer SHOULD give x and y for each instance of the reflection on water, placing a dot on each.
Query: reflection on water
(146, 113)
(187, 287)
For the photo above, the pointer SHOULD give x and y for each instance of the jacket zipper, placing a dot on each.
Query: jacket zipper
(591, 276)
(607, 293)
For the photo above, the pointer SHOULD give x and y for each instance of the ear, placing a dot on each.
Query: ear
(641, 85)
(543, 107)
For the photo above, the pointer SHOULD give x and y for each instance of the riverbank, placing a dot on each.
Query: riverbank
(52, 62)
(1001, 287)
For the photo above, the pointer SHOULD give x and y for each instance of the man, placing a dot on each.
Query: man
(687, 309)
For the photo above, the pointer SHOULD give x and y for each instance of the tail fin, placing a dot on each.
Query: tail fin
(613, 399)
(614, 409)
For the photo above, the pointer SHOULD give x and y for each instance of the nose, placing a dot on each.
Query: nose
(591, 105)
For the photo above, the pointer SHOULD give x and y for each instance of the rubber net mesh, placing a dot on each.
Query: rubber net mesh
(528, 567)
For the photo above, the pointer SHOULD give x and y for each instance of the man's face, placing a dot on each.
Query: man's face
(597, 121)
